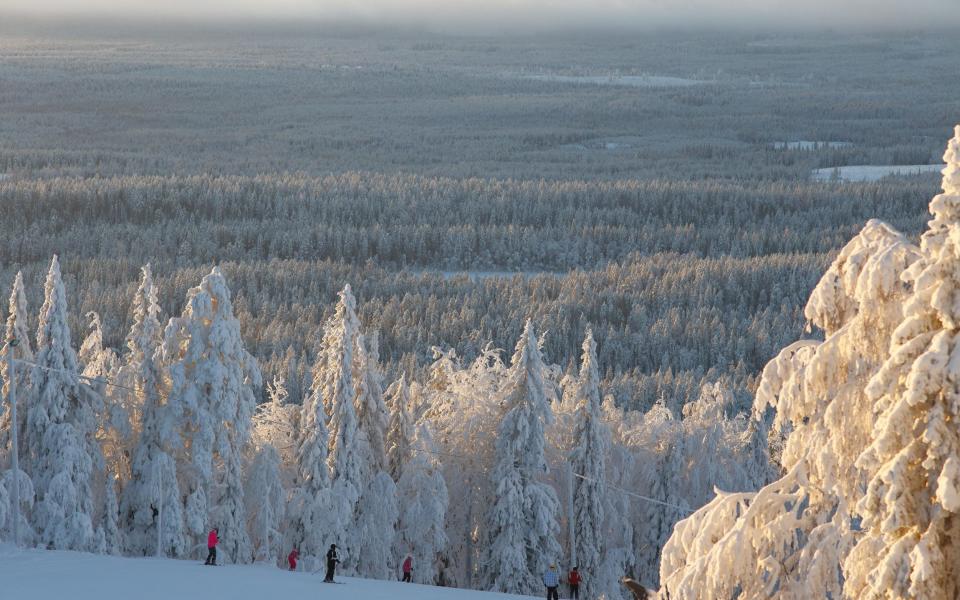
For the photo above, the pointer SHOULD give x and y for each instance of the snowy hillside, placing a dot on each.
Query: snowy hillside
(80, 576)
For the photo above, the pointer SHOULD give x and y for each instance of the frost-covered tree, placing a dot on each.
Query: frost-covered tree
(911, 546)
(151, 496)
(60, 432)
(265, 503)
(17, 329)
(521, 523)
(212, 382)
(25, 530)
(588, 461)
(400, 428)
(275, 424)
(109, 531)
(372, 415)
(375, 528)
(423, 500)
(788, 539)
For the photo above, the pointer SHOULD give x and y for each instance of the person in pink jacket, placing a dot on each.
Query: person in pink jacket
(212, 540)
(407, 568)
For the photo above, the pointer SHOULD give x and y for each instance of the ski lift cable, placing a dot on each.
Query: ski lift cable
(102, 380)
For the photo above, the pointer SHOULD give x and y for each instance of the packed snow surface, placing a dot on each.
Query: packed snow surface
(48, 574)
(872, 172)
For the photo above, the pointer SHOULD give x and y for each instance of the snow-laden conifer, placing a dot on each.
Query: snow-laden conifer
(17, 329)
(912, 506)
(60, 432)
(588, 461)
(522, 521)
(400, 427)
(422, 493)
(375, 528)
(151, 496)
(213, 379)
(788, 539)
(372, 415)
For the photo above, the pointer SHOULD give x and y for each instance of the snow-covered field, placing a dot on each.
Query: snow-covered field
(622, 80)
(55, 575)
(872, 172)
(809, 145)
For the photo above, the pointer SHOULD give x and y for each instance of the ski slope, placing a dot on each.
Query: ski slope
(56, 575)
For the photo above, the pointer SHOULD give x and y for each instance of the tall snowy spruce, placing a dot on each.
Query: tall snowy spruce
(400, 427)
(212, 382)
(311, 514)
(423, 502)
(151, 497)
(376, 511)
(17, 329)
(328, 513)
(911, 511)
(522, 525)
(588, 462)
(60, 431)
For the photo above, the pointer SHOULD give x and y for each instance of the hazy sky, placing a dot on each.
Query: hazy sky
(493, 15)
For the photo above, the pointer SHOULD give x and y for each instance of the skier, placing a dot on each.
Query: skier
(212, 540)
(332, 559)
(292, 559)
(573, 579)
(551, 579)
(407, 568)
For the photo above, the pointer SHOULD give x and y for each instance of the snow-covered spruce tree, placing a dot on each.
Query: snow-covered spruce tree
(151, 495)
(18, 329)
(423, 501)
(375, 529)
(212, 382)
(109, 530)
(310, 513)
(521, 523)
(25, 530)
(400, 427)
(372, 416)
(788, 539)
(910, 511)
(376, 510)
(60, 431)
(265, 503)
(588, 461)
(349, 456)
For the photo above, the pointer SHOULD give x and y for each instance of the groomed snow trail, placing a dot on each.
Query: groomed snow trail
(56, 575)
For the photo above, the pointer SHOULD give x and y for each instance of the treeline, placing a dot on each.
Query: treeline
(684, 282)
(484, 471)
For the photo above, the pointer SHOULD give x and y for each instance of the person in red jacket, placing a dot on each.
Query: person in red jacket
(407, 568)
(213, 538)
(573, 579)
(292, 559)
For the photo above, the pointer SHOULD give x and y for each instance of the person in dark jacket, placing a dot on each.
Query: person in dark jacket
(292, 559)
(573, 579)
(213, 538)
(332, 559)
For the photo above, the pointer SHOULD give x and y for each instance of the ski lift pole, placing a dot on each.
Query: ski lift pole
(14, 426)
